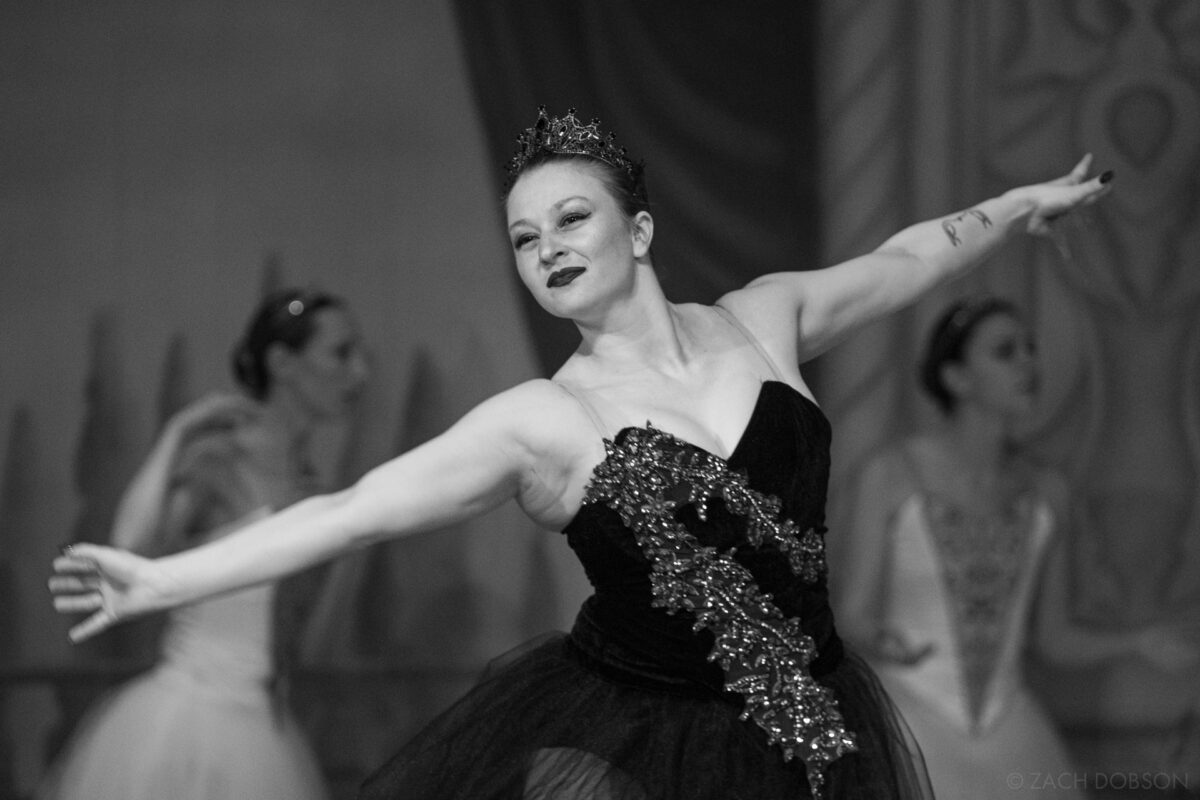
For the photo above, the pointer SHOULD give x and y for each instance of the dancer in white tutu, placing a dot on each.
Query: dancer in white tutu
(953, 570)
(203, 722)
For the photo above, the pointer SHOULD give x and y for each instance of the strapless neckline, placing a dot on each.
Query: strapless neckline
(734, 454)
(737, 447)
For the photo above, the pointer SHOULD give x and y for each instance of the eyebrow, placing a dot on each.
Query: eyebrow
(557, 206)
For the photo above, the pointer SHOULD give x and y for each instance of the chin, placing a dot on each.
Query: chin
(555, 307)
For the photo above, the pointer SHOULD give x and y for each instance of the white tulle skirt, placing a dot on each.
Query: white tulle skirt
(173, 734)
(1021, 755)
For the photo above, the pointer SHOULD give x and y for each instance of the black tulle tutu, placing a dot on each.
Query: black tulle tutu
(545, 723)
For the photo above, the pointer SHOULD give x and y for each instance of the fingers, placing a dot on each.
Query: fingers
(78, 603)
(74, 584)
(221, 410)
(91, 626)
(1064, 196)
(1079, 173)
(83, 553)
(234, 405)
(73, 564)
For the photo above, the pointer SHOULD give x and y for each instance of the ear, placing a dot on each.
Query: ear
(642, 229)
(955, 378)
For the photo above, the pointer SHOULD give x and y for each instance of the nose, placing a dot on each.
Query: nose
(549, 249)
(359, 367)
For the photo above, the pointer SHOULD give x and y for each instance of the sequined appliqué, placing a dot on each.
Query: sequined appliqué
(981, 559)
(765, 655)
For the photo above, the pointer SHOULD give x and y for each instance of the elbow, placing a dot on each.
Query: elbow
(354, 518)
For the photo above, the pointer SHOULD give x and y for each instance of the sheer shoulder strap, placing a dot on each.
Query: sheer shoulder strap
(732, 320)
(587, 408)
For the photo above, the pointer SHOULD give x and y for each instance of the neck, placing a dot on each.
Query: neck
(289, 425)
(982, 440)
(641, 332)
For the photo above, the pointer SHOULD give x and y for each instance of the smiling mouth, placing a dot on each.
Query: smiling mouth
(561, 277)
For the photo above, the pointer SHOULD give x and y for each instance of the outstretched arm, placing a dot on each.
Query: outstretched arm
(819, 308)
(491, 455)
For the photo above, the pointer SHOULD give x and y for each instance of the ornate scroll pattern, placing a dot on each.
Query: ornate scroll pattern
(765, 656)
(1122, 306)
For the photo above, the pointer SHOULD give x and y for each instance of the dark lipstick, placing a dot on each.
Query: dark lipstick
(561, 277)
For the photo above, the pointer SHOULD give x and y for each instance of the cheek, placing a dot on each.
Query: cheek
(526, 266)
(1004, 381)
(326, 374)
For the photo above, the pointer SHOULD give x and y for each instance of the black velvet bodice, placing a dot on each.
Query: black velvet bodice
(705, 666)
(784, 454)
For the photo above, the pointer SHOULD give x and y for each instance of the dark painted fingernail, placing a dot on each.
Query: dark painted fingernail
(1106, 176)
(65, 548)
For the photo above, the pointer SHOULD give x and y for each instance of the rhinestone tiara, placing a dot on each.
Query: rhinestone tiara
(566, 135)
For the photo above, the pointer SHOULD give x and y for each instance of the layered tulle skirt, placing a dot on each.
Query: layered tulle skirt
(173, 734)
(552, 720)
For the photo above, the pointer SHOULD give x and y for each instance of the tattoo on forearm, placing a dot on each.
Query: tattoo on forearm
(948, 225)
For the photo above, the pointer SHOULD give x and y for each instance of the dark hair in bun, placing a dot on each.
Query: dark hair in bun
(948, 342)
(286, 317)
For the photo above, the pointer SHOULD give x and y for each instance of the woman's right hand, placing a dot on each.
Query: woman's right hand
(218, 410)
(106, 584)
(893, 647)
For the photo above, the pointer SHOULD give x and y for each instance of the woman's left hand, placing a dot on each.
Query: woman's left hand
(1054, 199)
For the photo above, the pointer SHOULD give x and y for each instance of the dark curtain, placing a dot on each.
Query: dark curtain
(717, 98)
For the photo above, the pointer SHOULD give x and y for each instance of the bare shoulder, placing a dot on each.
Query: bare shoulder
(558, 443)
(773, 324)
(769, 306)
(537, 414)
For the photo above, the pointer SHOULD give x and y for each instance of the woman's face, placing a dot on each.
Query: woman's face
(998, 372)
(327, 374)
(573, 246)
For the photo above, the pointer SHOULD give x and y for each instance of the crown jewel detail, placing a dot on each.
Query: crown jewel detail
(566, 135)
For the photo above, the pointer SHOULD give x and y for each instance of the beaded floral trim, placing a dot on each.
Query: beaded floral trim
(982, 557)
(765, 655)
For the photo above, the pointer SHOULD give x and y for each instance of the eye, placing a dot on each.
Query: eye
(572, 217)
(523, 240)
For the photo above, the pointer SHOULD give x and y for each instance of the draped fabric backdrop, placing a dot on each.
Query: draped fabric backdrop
(717, 99)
